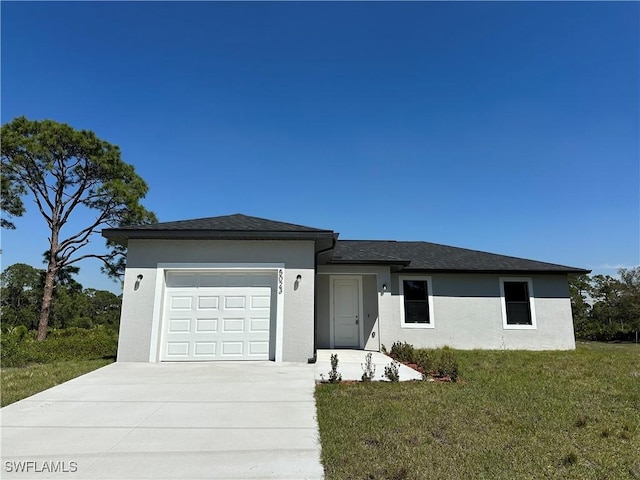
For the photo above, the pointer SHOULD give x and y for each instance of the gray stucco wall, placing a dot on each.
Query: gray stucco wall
(144, 256)
(468, 314)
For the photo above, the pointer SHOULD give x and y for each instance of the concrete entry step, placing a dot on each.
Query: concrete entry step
(350, 365)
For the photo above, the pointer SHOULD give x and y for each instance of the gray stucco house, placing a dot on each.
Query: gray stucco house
(244, 288)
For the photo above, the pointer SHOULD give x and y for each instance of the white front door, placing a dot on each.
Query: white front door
(346, 312)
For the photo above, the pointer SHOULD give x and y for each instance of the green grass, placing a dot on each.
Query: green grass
(513, 415)
(21, 382)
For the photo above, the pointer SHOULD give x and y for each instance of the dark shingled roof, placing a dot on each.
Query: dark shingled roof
(406, 256)
(212, 226)
(424, 256)
(236, 223)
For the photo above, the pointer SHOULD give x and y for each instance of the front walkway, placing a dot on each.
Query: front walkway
(350, 365)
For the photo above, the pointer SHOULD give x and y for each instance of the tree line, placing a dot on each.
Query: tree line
(72, 305)
(606, 308)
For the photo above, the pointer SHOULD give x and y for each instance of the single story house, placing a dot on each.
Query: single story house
(237, 287)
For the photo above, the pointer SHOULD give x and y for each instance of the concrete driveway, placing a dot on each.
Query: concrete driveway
(228, 420)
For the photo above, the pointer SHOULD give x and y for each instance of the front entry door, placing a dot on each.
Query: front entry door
(346, 312)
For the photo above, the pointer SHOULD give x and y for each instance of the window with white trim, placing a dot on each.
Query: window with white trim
(417, 302)
(518, 309)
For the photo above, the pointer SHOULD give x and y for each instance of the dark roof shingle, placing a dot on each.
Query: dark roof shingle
(407, 256)
(425, 256)
(236, 222)
(230, 227)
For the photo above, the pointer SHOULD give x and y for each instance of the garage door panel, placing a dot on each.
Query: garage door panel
(204, 348)
(233, 325)
(260, 302)
(208, 303)
(234, 302)
(178, 349)
(206, 319)
(258, 348)
(259, 325)
(181, 302)
(206, 325)
(179, 325)
(232, 348)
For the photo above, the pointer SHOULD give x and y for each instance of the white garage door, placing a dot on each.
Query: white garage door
(217, 316)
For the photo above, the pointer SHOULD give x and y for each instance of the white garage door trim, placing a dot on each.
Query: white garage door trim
(158, 304)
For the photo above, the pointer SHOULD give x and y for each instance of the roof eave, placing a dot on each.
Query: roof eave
(369, 262)
(122, 236)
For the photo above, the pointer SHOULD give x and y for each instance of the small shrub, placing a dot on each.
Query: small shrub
(424, 361)
(402, 352)
(334, 376)
(392, 371)
(440, 363)
(581, 421)
(369, 368)
(447, 364)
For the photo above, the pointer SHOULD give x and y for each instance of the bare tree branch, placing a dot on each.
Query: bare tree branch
(84, 233)
(75, 198)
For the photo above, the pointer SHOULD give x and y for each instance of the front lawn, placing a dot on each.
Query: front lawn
(524, 415)
(28, 366)
(22, 382)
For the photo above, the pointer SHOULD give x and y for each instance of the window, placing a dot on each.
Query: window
(517, 303)
(417, 303)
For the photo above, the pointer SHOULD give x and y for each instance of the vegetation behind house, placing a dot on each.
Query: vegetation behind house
(607, 308)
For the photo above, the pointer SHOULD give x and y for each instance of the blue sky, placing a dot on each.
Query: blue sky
(505, 127)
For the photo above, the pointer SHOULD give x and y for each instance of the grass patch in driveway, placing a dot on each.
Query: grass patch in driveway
(21, 382)
(514, 414)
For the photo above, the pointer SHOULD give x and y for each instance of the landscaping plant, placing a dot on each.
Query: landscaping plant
(392, 371)
(369, 368)
(402, 352)
(334, 375)
(447, 364)
(424, 361)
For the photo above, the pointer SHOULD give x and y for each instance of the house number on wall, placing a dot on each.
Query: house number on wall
(280, 280)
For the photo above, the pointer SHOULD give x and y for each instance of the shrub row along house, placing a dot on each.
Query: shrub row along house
(244, 288)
